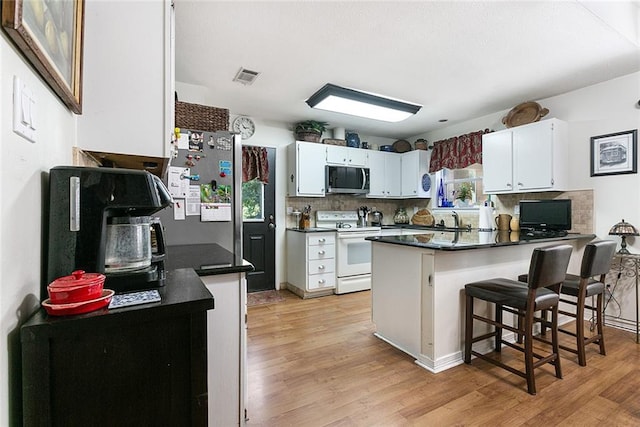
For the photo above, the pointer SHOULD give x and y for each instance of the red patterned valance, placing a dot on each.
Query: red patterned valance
(457, 152)
(255, 164)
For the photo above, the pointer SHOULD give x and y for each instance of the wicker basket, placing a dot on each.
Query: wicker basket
(421, 144)
(308, 136)
(331, 141)
(201, 117)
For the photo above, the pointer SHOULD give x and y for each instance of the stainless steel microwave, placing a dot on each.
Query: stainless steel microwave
(347, 179)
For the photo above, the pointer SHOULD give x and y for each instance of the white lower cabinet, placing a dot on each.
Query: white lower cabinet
(227, 349)
(311, 265)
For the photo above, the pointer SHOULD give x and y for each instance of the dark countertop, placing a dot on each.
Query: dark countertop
(474, 239)
(183, 292)
(312, 230)
(205, 259)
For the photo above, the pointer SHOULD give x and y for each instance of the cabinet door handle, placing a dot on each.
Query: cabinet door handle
(321, 281)
(520, 184)
(322, 240)
(321, 252)
(508, 184)
(321, 267)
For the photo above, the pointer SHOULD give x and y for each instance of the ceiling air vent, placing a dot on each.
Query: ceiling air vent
(245, 76)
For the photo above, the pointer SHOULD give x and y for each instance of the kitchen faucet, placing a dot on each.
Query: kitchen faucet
(456, 219)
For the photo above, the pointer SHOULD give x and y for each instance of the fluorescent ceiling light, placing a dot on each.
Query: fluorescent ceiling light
(362, 104)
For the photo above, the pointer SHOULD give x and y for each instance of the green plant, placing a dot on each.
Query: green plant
(310, 126)
(465, 192)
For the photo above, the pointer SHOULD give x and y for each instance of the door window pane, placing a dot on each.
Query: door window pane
(253, 200)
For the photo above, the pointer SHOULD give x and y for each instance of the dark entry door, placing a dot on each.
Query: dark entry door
(258, 234)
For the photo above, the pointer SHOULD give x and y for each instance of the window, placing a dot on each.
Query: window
(253, 200)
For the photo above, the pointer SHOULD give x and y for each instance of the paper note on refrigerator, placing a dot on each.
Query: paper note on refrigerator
(183, 141)
(178, 209)
(215, 212)
(193, 200)
(178, 185)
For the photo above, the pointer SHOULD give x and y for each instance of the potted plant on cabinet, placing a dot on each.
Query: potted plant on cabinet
(465, 194)
(309, 130)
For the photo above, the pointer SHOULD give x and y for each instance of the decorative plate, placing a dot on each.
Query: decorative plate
(401, 146)
(525, 113)
(426, 182)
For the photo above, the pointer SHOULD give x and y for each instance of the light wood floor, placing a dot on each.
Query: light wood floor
(315, 362)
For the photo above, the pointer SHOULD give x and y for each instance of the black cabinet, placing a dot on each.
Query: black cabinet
(140, 365)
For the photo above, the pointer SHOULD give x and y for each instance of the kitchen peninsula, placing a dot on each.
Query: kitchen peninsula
(418, 282)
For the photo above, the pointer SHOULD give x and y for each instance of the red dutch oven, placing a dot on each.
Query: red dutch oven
(77, 287)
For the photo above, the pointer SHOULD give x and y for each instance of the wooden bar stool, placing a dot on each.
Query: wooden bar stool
(547, 270)
(596, 261)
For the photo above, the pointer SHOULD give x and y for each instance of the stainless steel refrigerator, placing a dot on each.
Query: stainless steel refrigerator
(212, 161)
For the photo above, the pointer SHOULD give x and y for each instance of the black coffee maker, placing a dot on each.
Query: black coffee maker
(84, 203)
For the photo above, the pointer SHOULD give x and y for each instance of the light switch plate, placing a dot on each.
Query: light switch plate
(24, 110)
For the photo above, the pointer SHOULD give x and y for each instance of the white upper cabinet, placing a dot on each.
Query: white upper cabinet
(384, 174)
(526, 158)
(338, 155)
(128, 100)
(497, 169)
(306, 163)
(416, 181)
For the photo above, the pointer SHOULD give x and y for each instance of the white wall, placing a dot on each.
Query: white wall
(600, 109)
(21, 192)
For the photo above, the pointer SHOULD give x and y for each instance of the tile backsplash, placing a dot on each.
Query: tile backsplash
(351, 203)
(581, 207)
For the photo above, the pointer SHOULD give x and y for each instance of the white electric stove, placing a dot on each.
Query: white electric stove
(353, 252)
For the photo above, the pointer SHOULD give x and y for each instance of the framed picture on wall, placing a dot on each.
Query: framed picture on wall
(50, 35)
(615, 153)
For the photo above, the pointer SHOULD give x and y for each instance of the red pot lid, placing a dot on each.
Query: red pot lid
(76, 279)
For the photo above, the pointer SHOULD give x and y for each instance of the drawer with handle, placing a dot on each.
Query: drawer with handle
(322, 266)
(324, 280)
(322, 252)
(322, 239)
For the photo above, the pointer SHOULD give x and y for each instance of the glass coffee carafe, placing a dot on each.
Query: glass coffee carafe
(128, 244)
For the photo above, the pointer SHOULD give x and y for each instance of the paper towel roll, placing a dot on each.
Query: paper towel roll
(338, 133)
(485, 220)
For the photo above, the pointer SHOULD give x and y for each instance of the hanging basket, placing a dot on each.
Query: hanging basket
(308, 136)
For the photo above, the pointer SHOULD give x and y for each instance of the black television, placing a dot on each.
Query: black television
(545, 215)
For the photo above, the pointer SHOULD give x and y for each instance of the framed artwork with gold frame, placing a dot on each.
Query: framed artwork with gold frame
(50, 35)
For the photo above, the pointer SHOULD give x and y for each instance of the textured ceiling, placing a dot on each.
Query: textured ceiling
(460, 60)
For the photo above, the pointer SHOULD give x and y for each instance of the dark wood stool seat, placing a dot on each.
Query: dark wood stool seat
(547, 270)
(596, 261)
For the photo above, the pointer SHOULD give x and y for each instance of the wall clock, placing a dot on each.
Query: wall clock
(244, 126)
